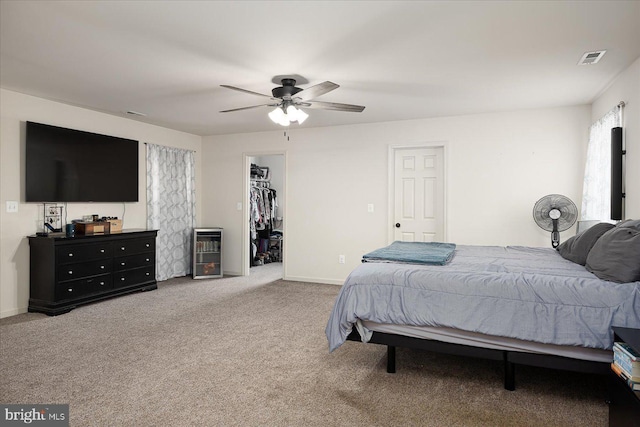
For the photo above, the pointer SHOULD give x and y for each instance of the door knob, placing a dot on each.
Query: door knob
(397, 225)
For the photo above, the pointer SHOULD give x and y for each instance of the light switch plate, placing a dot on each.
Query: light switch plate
(12, 206)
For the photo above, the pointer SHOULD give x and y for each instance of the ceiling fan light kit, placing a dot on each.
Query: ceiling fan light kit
(296, 114)
(288, 97)
(279, 116)
(286, 115)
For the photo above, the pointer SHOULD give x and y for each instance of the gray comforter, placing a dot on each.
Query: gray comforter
(526, 293)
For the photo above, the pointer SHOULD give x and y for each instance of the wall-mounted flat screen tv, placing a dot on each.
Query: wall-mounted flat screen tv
(66, 165)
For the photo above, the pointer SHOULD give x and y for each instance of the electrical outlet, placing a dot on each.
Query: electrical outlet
(12, 206)
(341, 259)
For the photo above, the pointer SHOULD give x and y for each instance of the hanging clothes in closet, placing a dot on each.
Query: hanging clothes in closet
(263, 203)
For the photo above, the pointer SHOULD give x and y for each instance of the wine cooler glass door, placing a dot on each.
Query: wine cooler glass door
(207, 253)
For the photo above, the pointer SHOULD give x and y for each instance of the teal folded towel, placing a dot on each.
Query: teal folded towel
(432, 253)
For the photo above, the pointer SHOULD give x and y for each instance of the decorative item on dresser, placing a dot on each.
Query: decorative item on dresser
(69, 271)
(102, 227)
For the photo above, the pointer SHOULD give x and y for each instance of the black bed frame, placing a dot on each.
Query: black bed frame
(510, 358)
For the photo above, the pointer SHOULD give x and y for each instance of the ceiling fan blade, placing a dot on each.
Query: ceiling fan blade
(248, 108)
(315, 91)
(247, 91)
(332, 106)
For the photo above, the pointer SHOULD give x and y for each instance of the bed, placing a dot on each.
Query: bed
(519, 305)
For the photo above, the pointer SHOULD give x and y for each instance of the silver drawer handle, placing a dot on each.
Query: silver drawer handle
(122, 263)
(122, 248)
(148, 274)
(70, 289)
(147, 260)
(70, 272)
(122, 279)
(101, 251)
(102, 267)
(70, 254)
(101, 283)
(147, 245)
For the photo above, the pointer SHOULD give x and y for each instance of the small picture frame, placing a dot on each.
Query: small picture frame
(53, 218)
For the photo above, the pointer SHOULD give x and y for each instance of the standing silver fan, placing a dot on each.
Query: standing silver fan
(555, 213)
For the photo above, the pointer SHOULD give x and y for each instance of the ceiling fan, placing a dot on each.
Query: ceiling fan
(289, 99)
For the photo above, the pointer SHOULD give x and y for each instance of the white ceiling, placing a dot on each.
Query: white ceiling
(402, 60)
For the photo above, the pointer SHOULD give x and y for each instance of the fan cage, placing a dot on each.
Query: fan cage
(568, 212)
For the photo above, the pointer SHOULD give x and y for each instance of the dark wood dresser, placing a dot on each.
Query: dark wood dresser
(69, 271)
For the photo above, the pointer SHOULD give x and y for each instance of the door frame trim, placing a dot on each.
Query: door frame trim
(246, 169)
(393, 148)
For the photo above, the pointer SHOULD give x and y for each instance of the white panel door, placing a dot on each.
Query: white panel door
(419, 194)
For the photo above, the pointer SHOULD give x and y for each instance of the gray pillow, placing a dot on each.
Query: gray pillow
(616, 255)
(630, 223)
(577, 248)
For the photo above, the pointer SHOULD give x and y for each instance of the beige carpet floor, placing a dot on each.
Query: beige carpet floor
(252, 352)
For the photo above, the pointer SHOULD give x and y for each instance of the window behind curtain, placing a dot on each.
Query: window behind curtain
(171, 207)
(596, 191)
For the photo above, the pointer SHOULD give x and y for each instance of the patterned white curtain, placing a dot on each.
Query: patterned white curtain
(171, 207)
(596, 190)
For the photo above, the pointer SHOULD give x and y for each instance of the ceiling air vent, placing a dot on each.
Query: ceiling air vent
(591, 57)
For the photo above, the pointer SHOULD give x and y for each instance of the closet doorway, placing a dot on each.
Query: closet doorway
(265, 207)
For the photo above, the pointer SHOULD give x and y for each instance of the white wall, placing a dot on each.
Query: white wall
(498, 166)
(626, 87)
(17, 108)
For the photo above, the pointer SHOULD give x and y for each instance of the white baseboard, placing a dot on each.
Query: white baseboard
(314, 280)
(232, 273)
(13, 312)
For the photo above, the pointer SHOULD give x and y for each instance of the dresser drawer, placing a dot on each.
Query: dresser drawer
(78, 253)
(78, 288)
(83, 269)
(134, 261)
(134, 246)
(133, 277)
